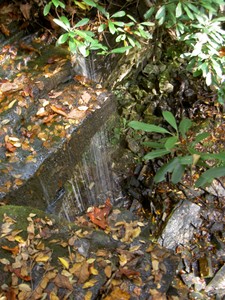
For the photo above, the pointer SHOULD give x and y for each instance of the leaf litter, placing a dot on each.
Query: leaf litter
(34, 269)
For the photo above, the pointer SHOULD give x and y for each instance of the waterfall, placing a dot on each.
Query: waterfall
(92, 179)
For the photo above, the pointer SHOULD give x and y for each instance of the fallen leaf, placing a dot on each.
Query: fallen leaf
(119, 294)
(10, 147)
(63, 282)
(82, 108)
(25, 9)
(81, 271)
(129, 273)
(90, 283)
(14, 250)
(42, 258)
(64, 262)
(85, 97)
(88, 296)
(93, 271)
(76, 114)
(4, 29)
(108, 271)
(29, 48)
(58, 110)
(24, 287)
(98, 215)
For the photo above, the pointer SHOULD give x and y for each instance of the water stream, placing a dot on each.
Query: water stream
(92, 179)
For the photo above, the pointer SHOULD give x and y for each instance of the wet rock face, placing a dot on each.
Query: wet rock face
(180, 227)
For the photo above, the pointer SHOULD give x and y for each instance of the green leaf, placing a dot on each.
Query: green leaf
(83, 50)
(56, 3)
(161, 12)
(65, 21)
(137, 125)
(169, 117)
(132, 18)
(61, 4)
(189, 13)
(90, 3)
(131, 41)
(63, 38)
(120, 38)
(112, 28)
(178, 10)
(73, 46)
(101, 28)
(219, 156)
(160, 175)
(147, 23)
(119, 14)
(61, 24)
(184, 126)
(156, 153)
(153, 144)
(82, 22)
(47, 8)
(121, 49)
(117, 23)
(149, 13)
(209, 79)
(178, 173)
(171, 142)
(209, 175)
(200, 137)
(186, 160)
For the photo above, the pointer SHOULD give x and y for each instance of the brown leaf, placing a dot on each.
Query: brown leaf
(108, 271)
(10, 147)
(63, 282)
(9, 87)
(76, 114)
(98, 215)
(117, 293)
(85, 97)
(14, 250)
(29, 48)
(81, 271)
(82, 80)
(129, 273)
(48, 119)
(58, 110)
(25, 9)
(4, 30)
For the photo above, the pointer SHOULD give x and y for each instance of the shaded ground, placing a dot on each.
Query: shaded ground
(105, 254)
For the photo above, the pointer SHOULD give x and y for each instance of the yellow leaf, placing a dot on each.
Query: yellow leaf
(136, 232)
(89, 283)
(64, 262)
(123, 259)
(81, 5)
(195, 159)
(53, 296)
(134, 248)
(93, 271)
(24, 287)
(108, 271)
(19, 239)
(42, 258)
(4, 261)
(90, 260)
(88, 296)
